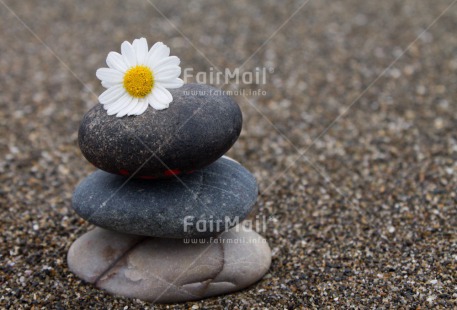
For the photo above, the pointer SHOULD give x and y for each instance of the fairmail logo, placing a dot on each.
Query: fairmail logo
(236, 76)
(211, 225)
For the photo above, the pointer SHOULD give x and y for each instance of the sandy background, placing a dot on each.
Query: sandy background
(365, 217)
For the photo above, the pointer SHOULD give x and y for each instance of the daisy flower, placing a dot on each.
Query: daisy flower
(137, 78)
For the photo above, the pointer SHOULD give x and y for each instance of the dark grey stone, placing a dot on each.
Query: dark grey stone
(209, 201)
(200, 125)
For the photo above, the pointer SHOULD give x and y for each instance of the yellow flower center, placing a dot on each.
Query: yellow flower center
(138, 81)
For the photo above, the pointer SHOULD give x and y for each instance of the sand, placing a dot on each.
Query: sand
(352, 139)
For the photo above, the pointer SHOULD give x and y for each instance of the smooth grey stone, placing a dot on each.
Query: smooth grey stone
(201, 125)
(201, 204)
(169, 270)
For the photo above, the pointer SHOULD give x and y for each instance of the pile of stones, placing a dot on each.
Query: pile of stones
(168, 204)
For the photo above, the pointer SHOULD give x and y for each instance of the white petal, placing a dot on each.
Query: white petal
(141, 49)
(157, 104)
(136, 107)
(132, 105)
(143, 108)
(109, 75)
(165, 62)
(128, 53)
(117, 104)
(167, 69)
(140, 107)
(111, 94)
(108, 84)
(116, 61)
(120, 106)
(160, 98)
(154, 47)
(156, 53)
(164, 94)
(175, 83)
(169, 73)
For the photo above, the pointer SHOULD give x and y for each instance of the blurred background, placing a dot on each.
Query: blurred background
(354, 144)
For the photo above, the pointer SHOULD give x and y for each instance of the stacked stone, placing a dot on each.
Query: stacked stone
(164, 182)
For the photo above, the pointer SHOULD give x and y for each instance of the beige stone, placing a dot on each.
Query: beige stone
(169, 270)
